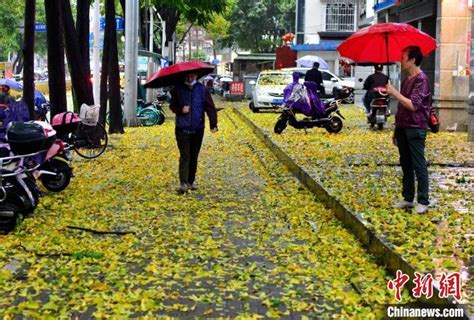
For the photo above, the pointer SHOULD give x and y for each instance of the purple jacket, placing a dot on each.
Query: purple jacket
(308, 103)
(417, 90)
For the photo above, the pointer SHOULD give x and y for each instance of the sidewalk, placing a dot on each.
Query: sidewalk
(359, 167)
(250, 242)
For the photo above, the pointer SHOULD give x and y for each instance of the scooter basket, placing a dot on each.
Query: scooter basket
(30, 137)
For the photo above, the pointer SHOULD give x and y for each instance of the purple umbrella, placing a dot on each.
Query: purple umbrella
(12, 84)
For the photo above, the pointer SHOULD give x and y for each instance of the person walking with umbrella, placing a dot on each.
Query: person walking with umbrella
(411, 124)
(189, 101)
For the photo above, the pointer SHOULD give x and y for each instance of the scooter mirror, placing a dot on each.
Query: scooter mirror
(252, 82)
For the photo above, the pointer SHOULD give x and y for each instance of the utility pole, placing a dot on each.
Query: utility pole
(151, 64)
(131, 56)
(96, 53)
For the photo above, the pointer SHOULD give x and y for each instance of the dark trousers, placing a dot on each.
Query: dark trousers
(411, 146)
(189, 145)
(366, 100)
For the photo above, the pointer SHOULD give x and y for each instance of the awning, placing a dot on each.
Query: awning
(322, 46)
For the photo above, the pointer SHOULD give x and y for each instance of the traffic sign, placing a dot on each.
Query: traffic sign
(40, 27)
(119, 22)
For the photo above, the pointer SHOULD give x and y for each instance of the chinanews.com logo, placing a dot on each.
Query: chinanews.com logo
(448, 285)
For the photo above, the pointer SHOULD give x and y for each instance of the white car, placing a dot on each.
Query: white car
(268, 89)
(330, 81)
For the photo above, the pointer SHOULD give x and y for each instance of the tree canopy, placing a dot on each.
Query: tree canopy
(258, 25)
(197, 12)
(10, 22)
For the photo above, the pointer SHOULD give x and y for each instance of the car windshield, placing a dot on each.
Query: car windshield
(274, 79)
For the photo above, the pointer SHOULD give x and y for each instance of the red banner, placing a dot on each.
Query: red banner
(237, 87)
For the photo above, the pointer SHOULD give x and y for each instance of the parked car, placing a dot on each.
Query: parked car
(268, 89)
(330, 81)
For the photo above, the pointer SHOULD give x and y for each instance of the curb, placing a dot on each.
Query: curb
(374, 244)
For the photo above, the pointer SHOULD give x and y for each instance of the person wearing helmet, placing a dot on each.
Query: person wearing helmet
(5, 97)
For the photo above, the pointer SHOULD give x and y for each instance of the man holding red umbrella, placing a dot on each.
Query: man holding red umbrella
(190, 100)
(411, 124)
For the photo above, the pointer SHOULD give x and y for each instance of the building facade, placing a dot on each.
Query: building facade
(321, 25)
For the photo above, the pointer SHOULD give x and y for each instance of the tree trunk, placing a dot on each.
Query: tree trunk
(56, 70)
(143, 28)
(82, 27)
(28, 54)
(171, 17)
(18, 62)
(110, 37)
(80, 79)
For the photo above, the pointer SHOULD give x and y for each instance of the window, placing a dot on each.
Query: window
(339, 17)
(300, 13)
(327, 76)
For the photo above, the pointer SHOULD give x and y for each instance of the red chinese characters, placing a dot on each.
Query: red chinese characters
(450, 285)
(398, 284)
(423, 285)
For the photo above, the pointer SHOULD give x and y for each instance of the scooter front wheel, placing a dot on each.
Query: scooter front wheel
(61, 180)
(334, 125)
(162, 118)
(280, 126)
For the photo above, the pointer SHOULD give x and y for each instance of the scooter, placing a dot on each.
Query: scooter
(379, 108)
(331, 122)
(19, 194)
(52, 167)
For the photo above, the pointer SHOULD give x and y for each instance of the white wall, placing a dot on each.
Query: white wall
(313, 20)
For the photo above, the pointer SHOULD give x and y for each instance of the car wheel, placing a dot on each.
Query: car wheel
(252, 107)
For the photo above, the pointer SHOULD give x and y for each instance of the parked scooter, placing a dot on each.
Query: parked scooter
(379, 108)
(19, 193)
(331, 120)
(52, 167)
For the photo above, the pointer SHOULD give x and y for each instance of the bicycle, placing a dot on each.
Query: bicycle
(88, 141)
(149, 113)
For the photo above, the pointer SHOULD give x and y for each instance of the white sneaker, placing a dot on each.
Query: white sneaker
(403, 204)
(421, 208)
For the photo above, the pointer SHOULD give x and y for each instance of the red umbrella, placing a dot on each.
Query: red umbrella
(384, 42)
(174, 74)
